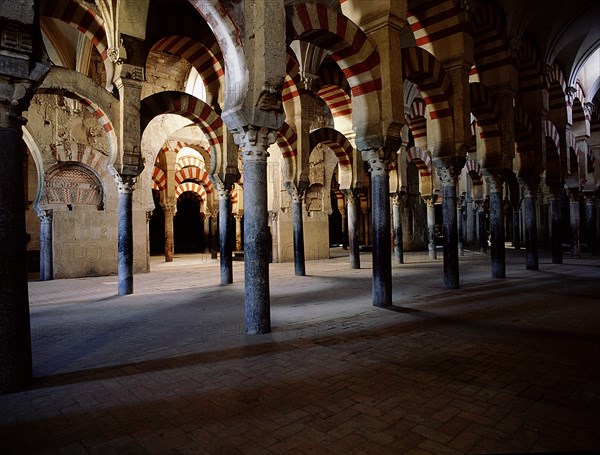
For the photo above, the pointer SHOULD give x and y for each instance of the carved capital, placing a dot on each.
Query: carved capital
(573, 194)
(223, 191)
(590, 198)
(46, 216)
(494, 183)
(530, 189)
(447, 175)
(273, 216)
(254, 141)
(126, 183)
(378, 160)
(169, 210)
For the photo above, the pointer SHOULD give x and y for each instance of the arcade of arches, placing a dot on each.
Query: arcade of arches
(272, 131)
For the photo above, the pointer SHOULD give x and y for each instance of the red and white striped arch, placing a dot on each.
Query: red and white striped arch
(523, 132)
(473, 170)
(350, 48)
(435, 20)
(205, 56)
(197, 174)
(528, 63)
(489, 36)
(187, 106)
(485, 110)
(159, 179)
(421, 158)
(552, 133)
(189, 161)
(292, 78)
(581, 115)
(84, 19)
(417, 122)
(557, 88)
(231, 43)
(341, 147)
(338, 102)
(287, 140)
(191, 187)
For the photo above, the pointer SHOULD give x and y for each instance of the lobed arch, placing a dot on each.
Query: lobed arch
(78, 15)
(422, 69)
(341, 147)
(348, 45)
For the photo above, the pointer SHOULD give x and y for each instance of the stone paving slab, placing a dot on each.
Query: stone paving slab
(499, 366)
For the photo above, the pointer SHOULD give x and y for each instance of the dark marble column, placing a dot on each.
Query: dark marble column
(590, 221)
(498, 255)
(254, 143)
(397, 207)
(380, 216)
(353, 229)
(431, 227)
(460, 226)
(450, 228)
(148, 216)
(125, 265)
(207, 240)
(15, 341)
(298, 225)
(225, 229)
(169, 211)
(556, 221)
(516, 222)
(214, 234)
(530, 220)
(575, 222)
(482, 223)
(46, 245)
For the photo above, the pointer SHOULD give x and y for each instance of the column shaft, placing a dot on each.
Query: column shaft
(46, 246)
(483, 241)
(382, 258)
(516, 228)
(125, 265)
(557, 253)
(225, 236)
(298, 222)
(169, 233)
(451, 267)
(353, 231)
(397, 221)
(498, 258)
(431, 229)
(529, 214)
(459, 211)
(15, 339)
(590, 223)
(238, 233)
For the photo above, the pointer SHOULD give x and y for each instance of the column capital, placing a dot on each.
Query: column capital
(223, 190)
(45, 215)
(378, 159)
(590, 197)
(169, 210)
(126, 183)
(573, 194)
(254, 141)
(494, 182)
(530, 188)
(273, 215)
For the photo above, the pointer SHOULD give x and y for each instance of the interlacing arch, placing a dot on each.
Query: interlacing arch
(350, 48)
(338, 102)
(417, 122)
(197, 174)
(187, 106)
(84, 19)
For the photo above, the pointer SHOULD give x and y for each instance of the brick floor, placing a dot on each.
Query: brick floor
(506, 366)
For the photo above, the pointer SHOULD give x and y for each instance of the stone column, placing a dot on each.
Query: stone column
(590, 221)
(15, 342)
(380, 215)
(169, 211)
(530, 219)
(397, 222)
(46, 245)
(298, 225)
(207, 232)
(125, 265)
(498, 255)
(238, 232)
(460, 227)
(575, 222)
(366, 226)
(344, 225)
(450, 228)
(481, 222)
(430, 202)
(214, 234)
(254, 143)
(353, 229)
(274, 232)
(516, 228)
(557, 253)
(225, 234)
(148, 216)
